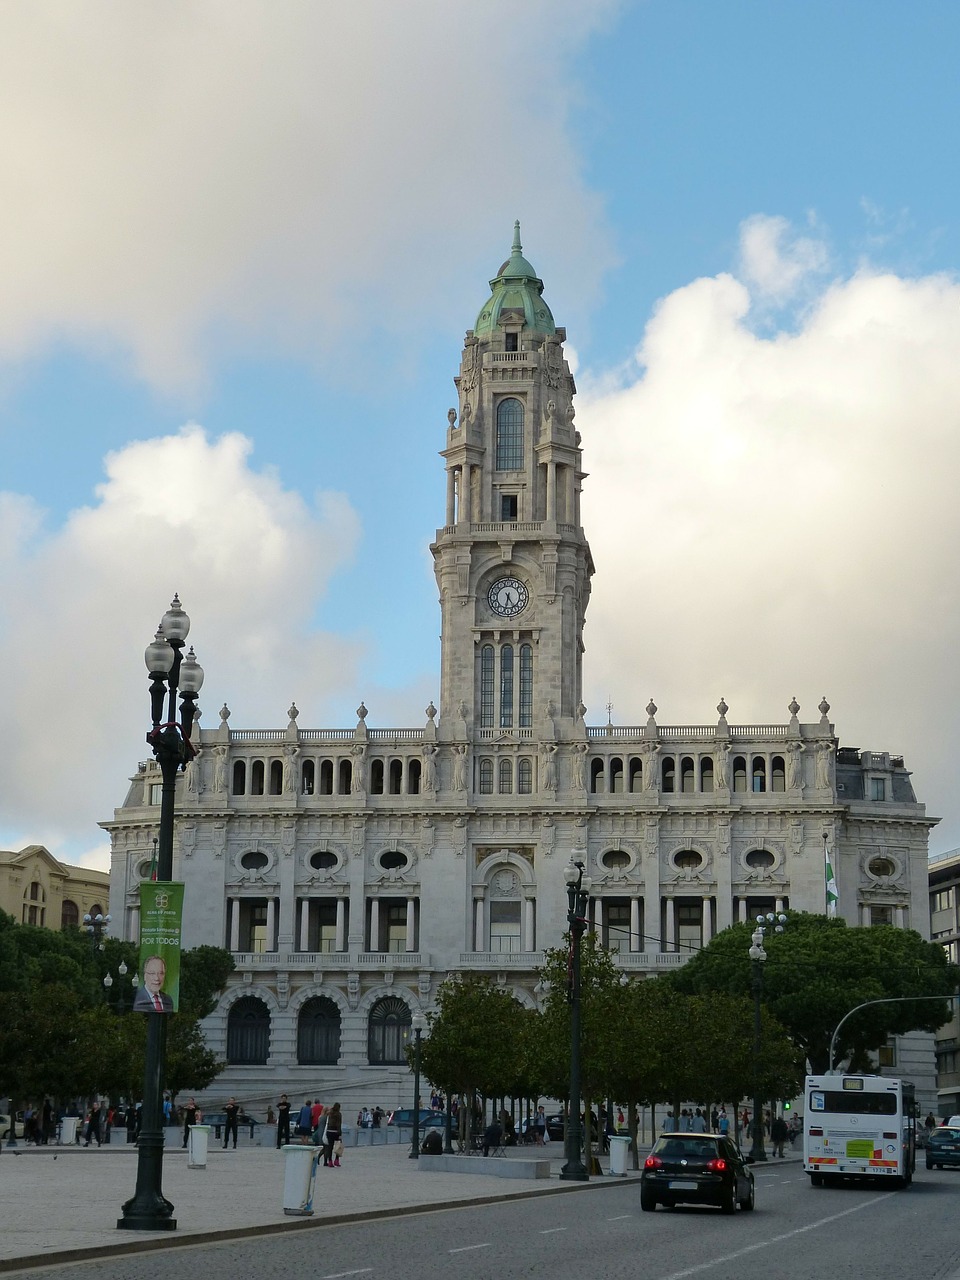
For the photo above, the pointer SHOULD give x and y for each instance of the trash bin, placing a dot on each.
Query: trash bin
(197, 1139)
(618, 1155)
(299, 1176)
(68, 1130)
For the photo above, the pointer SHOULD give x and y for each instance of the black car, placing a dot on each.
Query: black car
(943, 1147)
(403, 1119)
(696, 1168)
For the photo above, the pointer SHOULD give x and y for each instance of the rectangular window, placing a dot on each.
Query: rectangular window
(156, 792)
(508, 506)
(878, 788)
(504, 926)
(325, 915)
(616, 934)
(396, 926)
(689, 926)
(881, 915)
(506, 687)
(511, 342)
(944, 899)
(253, 926)
(486, 687)
(526, 686)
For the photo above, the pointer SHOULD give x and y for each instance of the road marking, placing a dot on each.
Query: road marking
(787, 1235)
(550, 1230)
(338, 1275)
(620, 1217)
(467, 1247)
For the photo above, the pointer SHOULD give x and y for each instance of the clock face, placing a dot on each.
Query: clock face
(508, 597)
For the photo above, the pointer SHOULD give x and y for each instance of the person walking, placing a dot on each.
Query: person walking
(778, 1135)
(304, 1121)
(283, 1120)
(230, 1111)
(191, 1115)
(332, 1137)
(93, 1125)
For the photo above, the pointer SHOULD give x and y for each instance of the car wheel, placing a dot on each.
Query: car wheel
(648, 1201)
(729, 1202)
(750, 1199)
(930, 1164)
(816, 1179)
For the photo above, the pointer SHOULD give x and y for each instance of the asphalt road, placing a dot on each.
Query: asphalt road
(598, 1233)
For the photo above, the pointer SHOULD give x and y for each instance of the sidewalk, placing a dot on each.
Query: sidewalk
(62, 1203)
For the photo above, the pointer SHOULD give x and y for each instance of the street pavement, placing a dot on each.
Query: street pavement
(61, 1204)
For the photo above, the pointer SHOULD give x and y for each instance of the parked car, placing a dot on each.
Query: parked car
(429, 1119)
(555, 1126)
(696, 1168)
(943, 1147)
(219, 1120)
(5, 1126)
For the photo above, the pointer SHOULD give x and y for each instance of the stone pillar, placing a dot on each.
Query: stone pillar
(636, 942)
(551, 491)
(451, 496)
(234, 924)
(374, 924)
(341, 940)
(478, 929)
(670, 928)
(411, 937)
(528, 942)
(271, 924)
(304, 924)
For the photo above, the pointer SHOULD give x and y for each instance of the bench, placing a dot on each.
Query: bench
(492, 1168)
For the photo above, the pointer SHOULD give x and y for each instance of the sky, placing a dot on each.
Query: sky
(240, 245)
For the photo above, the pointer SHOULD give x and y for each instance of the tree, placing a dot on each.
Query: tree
(819, 969)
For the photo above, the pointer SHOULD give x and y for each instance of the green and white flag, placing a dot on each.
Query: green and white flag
(832, 892)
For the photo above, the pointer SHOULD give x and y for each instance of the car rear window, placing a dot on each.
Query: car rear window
(945, 1134)
(686, 1146)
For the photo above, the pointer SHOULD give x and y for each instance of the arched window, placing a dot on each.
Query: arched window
(506, 687)
(526, 686)
(239, 778)
(777, 774)
(308, 777)
(69, 914)
(256, 778)
(706, 773)
(739, 773)
(505, 776)
(597, 779)
(616, 775)
(248, 1033)
(344, 778)
(388, 1031)
(486, 777)
(759, 774)
(276, 777)
(376, 777)
(326, 777)
(396, 777)
(486, 687)
(669, 774)
(414, 772)
(687, 774)
(318, 1033)
(524, 776)
(636, 773)
(509, 435)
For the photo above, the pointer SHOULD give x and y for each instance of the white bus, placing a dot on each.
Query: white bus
(859, 1127)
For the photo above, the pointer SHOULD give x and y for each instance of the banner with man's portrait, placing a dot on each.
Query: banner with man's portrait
(161, 913)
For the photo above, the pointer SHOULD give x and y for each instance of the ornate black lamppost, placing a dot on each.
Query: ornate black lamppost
(96, 927)
(121, 1004)
(757, 959)
(419, 1024)
(578, 892)
(170, 674)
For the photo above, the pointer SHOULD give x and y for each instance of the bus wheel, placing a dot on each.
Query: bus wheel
(816, 1179)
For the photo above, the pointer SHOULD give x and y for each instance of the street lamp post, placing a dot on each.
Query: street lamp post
(419, 1024)
(758, 958)
(121, 1004)
(95, 926)
(170, 674)
(578, 892)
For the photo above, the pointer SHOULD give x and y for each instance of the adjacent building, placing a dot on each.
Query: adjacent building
(350, 870)
(944, 875)
(37, 889)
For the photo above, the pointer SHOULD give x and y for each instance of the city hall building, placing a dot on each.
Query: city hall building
(350, 870)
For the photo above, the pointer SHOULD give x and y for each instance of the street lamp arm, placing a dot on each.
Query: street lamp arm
(866, 1004)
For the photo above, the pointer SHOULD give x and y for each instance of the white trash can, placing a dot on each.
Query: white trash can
(68, 1130)
(197, 1140)
(619, 1147)
(299, 1176)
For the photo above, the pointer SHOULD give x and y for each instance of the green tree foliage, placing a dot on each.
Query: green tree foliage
(474, 1038)
(61, 1032)
(819, 969)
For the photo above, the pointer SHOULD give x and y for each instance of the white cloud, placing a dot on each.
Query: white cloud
(250, 561)
(774, 261)
(777, 515)
(178, 177)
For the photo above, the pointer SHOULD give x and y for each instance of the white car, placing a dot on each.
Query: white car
(5, 1127)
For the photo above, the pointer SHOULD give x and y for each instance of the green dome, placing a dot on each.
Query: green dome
(518, 289)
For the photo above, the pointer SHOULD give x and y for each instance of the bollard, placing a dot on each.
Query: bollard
(197, 1140)
(299, 1176)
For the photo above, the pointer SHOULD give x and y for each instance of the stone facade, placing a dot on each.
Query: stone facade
(350, 870)
(37, 889)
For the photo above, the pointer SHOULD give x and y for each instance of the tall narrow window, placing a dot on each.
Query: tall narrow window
(486, 777)
(668, 774)
(256, 778)
(308, 777)
(506, 687)
(509, 435)
(504, 926)
(759, 774)
(506, 776)
(486, 687)
(239, 777)
(525, 706)
(524, 776)
(276, 777)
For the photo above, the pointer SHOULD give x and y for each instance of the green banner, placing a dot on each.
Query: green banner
(161, 912)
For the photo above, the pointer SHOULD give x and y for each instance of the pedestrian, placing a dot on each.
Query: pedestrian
(283, 1120)
(230, 1111)
(723, 1122)
(778, 1134)
(305, 1121)
(191, 1115)
(316, 1113)
(930, 1123)
(540, 1126)
(333, 1137)
(698, 1124)
(93, 1125)
(47, 1125)
(492, 1136)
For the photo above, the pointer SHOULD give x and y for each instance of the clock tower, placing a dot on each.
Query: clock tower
(512, 564)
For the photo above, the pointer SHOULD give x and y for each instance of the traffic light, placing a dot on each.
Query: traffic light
(788, 1106)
